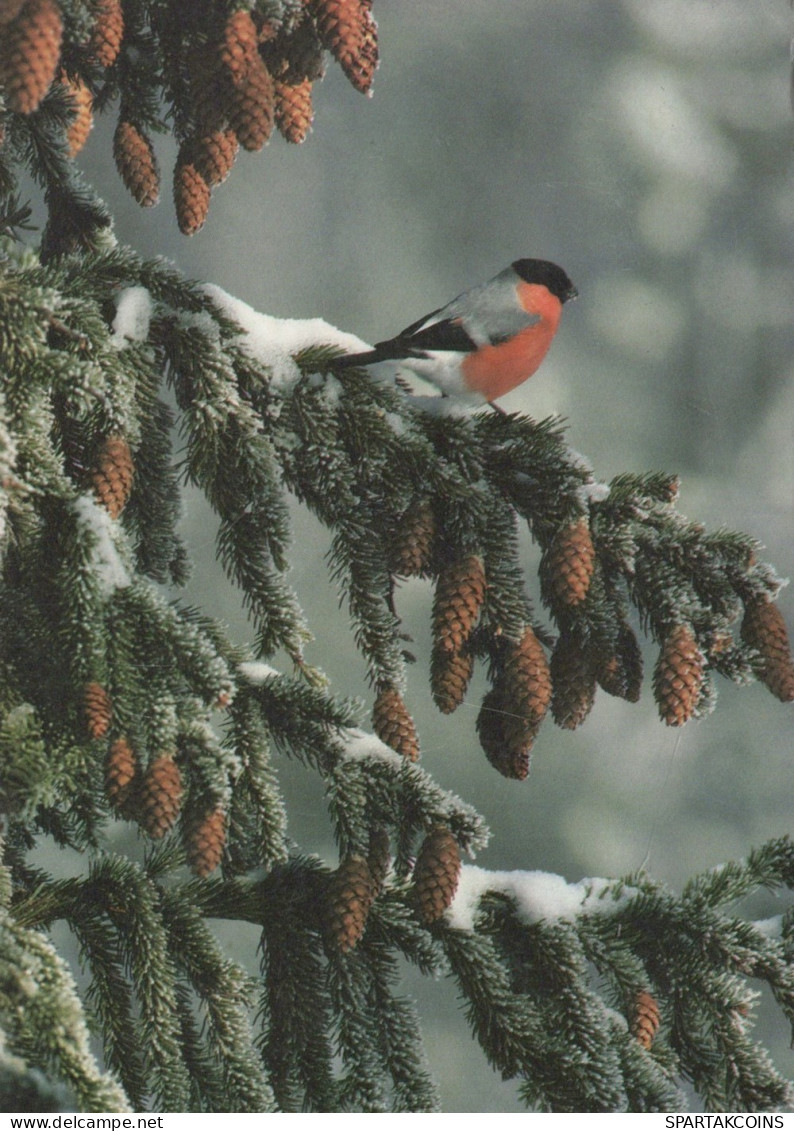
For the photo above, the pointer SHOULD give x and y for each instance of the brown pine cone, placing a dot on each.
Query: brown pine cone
(251, 110)
(764, 629)
(505, 736)
(215, 154)
(412, 542)
(436, 874)
(526, 679)
(293, 109)
(83, 120)
(120, 769)
(450, 673)
(191, 196)
(378, 858)
(460, 593)
(678, 676)
(348, 900)
(646, 1020)
(160, 796)
(108, 32)
(97, 709)
(136, 163)
(620, 673)
(206, 839)
(210, 89)
(112, 475)
(347, 29)
(29, 54)
(239, 46)
(573, 681)
(569, 564)
(393, 724)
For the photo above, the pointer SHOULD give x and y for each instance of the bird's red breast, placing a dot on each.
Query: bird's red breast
(493, 371)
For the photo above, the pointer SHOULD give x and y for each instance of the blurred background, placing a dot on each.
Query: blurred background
(645, 145)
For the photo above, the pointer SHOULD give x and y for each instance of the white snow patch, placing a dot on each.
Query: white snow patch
(593, 492)
(770, 928)
(133, 315)
(360, 744)
(537, 895)
(273, 341)
(106, 562)
(256, 672)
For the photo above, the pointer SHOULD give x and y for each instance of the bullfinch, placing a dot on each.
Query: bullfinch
(486, 341)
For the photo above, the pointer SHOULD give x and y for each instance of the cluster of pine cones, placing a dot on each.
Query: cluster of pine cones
(526, 685)
(245, 76)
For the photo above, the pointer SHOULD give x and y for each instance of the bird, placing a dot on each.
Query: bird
(487, 340)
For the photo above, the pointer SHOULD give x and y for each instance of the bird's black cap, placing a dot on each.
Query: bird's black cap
(548, 274)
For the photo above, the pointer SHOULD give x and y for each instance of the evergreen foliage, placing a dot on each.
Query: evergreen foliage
(121, 380)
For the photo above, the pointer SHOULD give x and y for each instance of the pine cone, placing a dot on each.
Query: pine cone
(191, 197)
(570, 560)
(210, 89)
(112, 475)
(505, 737)
(136, 163)
(108, 33)
(348, 900)
(526, 679)
(620, 673)
(29, 54)
(215, 154)
(83, 120)
(412, 542)
(460, 593)
(573, 681)
(436, 874)
(251, 110)
(645, 1021)
(205, 842)
(120, 769)
(393, 724)
(347, 29)
(378, 858)
(160, 797)
(678, 676)
(450, 673)
(97, 709)
(293, 109)
(239, 46)
(764, 629)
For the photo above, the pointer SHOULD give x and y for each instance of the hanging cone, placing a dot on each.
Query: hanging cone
(30, 50)
(191, 196)
(378, 858)
(136, 163)
(97, 709)
(160, 797)
(678, 676)
(347, 29)
(239, 46)
(506, 737)
(764, 629)
(646, 1020)
(293, 109)
(112, 475)
(215, 154)
(620, 673)
(569, 564)
(412, 542)
(436, 874)
(108, 32)
(210, 90)
(573, 681)
(450, 673)
(251, 110)
(348, 900)
(526, 680)
(82, 102)
(120, 769)
(460, 593)
(205, 842)
(393, 724)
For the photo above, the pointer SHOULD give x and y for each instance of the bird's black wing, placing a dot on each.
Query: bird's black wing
(415, 341)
